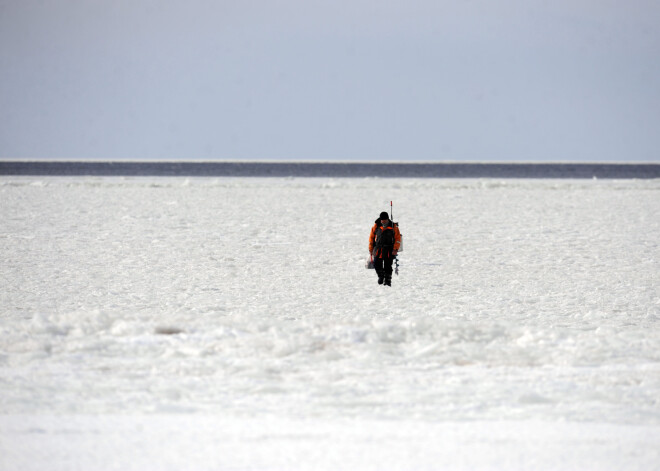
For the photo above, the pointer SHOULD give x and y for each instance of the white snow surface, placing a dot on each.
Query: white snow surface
(229, 323)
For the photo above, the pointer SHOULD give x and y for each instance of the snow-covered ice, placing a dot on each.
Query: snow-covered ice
(229, 323)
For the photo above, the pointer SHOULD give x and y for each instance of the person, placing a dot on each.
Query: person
(384, 243)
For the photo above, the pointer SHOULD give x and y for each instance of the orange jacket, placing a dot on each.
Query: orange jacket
(391, 226)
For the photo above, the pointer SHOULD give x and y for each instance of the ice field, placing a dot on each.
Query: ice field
(229, 323)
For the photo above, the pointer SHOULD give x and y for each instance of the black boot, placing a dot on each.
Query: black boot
(388, 281)
(380, 280)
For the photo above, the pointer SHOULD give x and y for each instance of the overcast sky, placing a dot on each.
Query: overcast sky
(413, 80)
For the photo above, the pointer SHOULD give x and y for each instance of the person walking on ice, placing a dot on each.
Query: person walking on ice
(384, 243)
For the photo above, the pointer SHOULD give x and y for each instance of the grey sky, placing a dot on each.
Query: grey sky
(421, 80)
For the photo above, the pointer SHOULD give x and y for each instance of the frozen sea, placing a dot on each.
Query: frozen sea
(171, 323)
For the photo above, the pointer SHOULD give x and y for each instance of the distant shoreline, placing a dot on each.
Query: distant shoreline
(330, 169)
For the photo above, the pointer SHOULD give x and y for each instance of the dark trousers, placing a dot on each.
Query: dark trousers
(383, 268)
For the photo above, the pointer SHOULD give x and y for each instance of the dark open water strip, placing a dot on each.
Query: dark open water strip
(329, 169)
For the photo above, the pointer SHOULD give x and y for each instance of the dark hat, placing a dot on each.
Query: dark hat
(384, 215)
